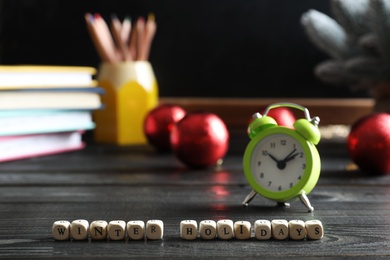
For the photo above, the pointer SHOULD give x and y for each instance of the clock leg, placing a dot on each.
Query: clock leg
(284, 204)
(305, 200)
(249, 197)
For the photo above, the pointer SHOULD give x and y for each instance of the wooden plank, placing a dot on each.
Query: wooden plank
(88, 170)
(130, 183)
(236, 112)
(355, 221)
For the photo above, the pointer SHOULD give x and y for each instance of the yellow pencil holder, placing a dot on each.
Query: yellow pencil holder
(131, 91)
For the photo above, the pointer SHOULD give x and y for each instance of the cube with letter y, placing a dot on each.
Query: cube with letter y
(296, 229)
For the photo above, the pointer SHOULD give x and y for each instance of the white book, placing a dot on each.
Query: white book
(27, 146)
(32, 76)
(51, 98)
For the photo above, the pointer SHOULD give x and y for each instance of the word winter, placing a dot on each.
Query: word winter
(278, 229)
(80, 229)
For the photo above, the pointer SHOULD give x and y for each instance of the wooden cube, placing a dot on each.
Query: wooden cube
(279, 228)
(314, 229)
(208, 229)
(116, 229)
(136, 229)
(79, 229)
(98, 229)
(296, 229)
(262, 229)
(188, 229)
(225, 229)
(242, 229)
(61, 230)
(154, 229)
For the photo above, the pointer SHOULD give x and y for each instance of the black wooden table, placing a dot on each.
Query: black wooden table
(135, 183)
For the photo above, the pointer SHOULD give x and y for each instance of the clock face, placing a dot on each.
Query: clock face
(278, 162)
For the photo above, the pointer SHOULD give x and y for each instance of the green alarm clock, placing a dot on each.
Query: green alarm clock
(281, 163)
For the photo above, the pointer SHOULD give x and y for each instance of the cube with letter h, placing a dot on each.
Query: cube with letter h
(188, 229)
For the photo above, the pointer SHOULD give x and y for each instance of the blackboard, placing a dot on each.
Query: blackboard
(203, 48)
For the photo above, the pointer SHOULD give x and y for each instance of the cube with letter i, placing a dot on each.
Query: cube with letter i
(61, 230)
(79, 229)
(136, 229)
(188, 229)
(242, 229)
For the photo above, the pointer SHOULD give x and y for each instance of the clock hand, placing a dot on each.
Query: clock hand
(286, 158)
(281, 164)
(290, 157)
(273, 157)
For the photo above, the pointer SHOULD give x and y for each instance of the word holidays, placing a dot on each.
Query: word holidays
(225, 229)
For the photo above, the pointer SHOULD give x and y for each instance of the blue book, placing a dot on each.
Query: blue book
(22, 122)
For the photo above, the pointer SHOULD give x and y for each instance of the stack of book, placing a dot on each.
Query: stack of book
(45, 109)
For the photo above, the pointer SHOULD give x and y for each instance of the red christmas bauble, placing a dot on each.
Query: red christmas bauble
(369, 143)
(283, 116)
(200, 139)
(158, 125)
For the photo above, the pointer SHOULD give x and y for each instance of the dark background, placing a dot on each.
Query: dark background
(203, 48)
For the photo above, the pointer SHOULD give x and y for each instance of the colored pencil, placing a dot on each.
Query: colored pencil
(133, 42)
(96, 39)
(150, 31)
(126, 30)
(116, 28)
(105, 35)
(121, 41)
